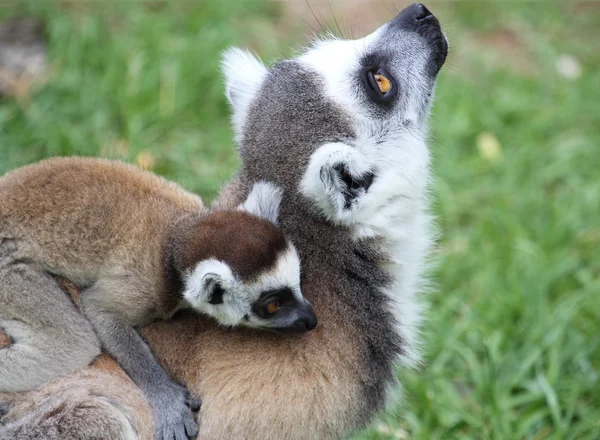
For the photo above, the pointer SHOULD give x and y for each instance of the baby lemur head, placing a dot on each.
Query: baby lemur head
(239, 268)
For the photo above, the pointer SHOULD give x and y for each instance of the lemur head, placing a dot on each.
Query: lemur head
(344, 123)
(239, 268)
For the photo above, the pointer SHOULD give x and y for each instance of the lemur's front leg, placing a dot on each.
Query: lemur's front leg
(171, 403)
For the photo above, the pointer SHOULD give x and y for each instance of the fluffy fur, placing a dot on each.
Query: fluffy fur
(355, 172)
(100, 401)
(128, 238)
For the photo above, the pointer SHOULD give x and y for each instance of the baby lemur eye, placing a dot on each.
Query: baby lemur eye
(272, 301)
(273, 306)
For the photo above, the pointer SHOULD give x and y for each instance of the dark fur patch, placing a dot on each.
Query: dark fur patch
(248, 244)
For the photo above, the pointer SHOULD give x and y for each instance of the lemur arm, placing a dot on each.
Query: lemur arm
(169, 400)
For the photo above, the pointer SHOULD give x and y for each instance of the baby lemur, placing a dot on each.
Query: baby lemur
(140, 248)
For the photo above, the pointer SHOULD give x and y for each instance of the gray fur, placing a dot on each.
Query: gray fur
(168, 399)
(42, 347)
(300, 119)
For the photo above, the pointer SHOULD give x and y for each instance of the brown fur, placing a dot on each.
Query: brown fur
(99, 402)
(90, 218)
(258, 242)
(107, 227)
(5, 341)
(253, 385)
(123, 221)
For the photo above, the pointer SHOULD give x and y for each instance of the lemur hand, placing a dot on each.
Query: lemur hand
(172, 409)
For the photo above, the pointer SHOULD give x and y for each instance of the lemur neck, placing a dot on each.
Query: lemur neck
(176, 250)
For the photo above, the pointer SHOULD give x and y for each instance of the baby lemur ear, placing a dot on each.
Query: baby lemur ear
(264, 201)
(208, 283)
(214, 289)
(244, 74)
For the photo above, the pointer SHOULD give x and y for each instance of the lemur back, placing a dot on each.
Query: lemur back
(109, 209)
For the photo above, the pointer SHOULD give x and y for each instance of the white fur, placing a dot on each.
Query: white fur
(326, 194)
(286, 272)
(337, 62)
(244, 74)
(198, 289)
(395, 206)
(263, 201)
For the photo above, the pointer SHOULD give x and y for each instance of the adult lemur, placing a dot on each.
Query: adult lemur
(342, 129)
(140, 248)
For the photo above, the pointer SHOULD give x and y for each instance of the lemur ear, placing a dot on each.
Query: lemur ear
(207, 284)
(264, 201)
(213, 288)
(244, 73)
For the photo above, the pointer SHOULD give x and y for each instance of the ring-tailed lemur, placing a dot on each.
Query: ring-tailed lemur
(342, 129)
(140, 248)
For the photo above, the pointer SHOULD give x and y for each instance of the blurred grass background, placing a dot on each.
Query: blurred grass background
(513, 339)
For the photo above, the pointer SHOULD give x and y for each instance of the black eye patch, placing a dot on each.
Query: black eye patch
(216, 296)
(284, 296)
(372, 64)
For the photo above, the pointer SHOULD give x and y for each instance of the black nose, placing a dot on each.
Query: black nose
(416, 18)
(306, 320)
(421, 11)
(308, 323)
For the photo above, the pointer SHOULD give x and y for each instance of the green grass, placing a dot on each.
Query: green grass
(136, 77)
(513, 338)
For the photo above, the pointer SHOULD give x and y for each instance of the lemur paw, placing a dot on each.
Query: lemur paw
(351, 186)
(173, 416)
(193, 402)
(337, 179)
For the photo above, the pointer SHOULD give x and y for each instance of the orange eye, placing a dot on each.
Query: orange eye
(273, 306)
(383, 83)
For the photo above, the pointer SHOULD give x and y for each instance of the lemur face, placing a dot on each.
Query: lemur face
(270, 301)
(244, 271)
(346, 121)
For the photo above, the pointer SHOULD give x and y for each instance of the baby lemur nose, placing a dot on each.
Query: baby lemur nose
(306, 321)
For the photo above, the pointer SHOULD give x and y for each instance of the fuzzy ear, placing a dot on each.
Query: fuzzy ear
(264, 201)
(213, 284)
(207, 283)
(244, 73)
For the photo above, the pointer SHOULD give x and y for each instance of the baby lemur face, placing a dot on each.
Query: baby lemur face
(245, 271)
